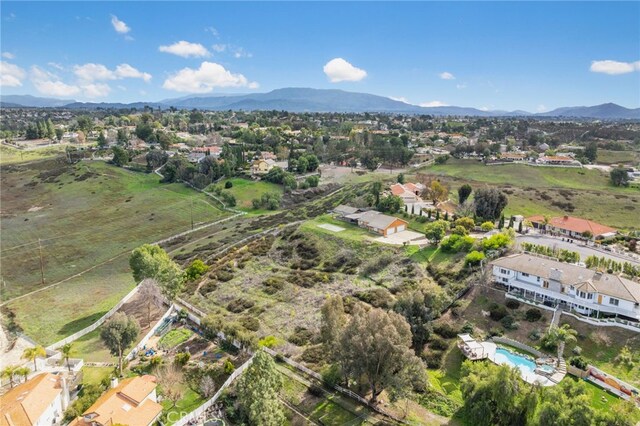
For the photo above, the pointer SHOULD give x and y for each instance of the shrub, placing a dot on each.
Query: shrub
(513, 304)
(577, 350)
(301, 336)
(445, 330)
(377, 297)
(279, 358)
(377, 265)
(497, 312)
(465, 222)
(474, 258)
(509, 323)
(238, 305)
(533, 314)
(228, 366)
(439, 344)
(433, 359)
(316, 390)
(332, 375)
(228, 184)
(250, 323)
(467, 328)
(182, 358)
(273, 284)
(224, 275)
(535, 335)
(578, 362)
(197, 269)
(495, 331)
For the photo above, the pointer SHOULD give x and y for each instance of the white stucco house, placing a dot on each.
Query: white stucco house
(586, 291)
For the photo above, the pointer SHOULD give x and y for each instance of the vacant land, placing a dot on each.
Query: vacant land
(88, 217)
(618, 157)
(549, 190)
(245, 190)
(9, 155)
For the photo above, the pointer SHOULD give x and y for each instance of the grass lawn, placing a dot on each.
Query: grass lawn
(91, 349)
(95, 375)
(175, 337)
(10, 155)
(189, 402)
(88, 215)
(351, 232)
(429, 254)
(245, 190)
(617, 157)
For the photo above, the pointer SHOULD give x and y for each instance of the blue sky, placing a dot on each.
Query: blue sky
(505, 55)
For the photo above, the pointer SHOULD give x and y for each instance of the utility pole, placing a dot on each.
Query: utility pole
(41, 261)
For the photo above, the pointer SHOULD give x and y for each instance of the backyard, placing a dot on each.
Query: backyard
(245, 190)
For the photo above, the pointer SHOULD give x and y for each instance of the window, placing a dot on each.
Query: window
(582, 294)
(505, 280)
(524, 274)
(613, 301)
(589, 296)
(545, 284)
(538, 279)
(503, 271)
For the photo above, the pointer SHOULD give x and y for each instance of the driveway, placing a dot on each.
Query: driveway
(579, 247)
(402, 237)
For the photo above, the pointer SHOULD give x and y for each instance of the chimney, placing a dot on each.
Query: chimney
(114, 382)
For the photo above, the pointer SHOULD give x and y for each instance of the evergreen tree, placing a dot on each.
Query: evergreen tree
(258, 389)
(102, 141)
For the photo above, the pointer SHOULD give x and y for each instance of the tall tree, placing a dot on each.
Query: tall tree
(375, 346)
(118, 333)
(32, 353)
(332, 320)
(66, 351)
(151, 261)
(376, 189)
(619, 176)
(150, 293)
(413, 307)
(463, 193)
(102, 140)
(437, 192)
(489, 203)
(560, 336)
(591, 152)
(258, 389)
(9, 372)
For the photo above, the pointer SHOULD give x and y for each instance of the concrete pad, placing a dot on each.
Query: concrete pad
(329, 227)
(402, 237)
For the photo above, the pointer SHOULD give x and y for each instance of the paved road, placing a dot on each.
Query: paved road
(583, 250)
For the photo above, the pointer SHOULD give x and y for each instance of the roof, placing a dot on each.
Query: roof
(378, 220)
(557, 158)
(411, 188)
(123, 404)
(575, 224)
(581, 278)
(27, 402)
(345, 210)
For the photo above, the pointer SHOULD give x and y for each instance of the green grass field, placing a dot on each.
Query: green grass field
(89, 217)
(10, 155)
(548, 190)
(246, 190)
(618, 157)
(189, 402)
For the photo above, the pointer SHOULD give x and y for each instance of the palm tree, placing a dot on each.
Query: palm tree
(9, 372)
(32, 353)
(66, 353)
(561, 336)
(24, 372)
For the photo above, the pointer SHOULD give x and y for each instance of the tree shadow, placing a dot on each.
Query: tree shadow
(79, 324)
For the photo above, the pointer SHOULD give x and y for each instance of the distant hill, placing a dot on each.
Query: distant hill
(32, 101)
(604, 111)
(321, 100)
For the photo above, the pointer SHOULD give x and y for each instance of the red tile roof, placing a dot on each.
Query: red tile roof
(575, 224)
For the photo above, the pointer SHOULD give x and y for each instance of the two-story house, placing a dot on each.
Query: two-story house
(39, 401)
(584, 290)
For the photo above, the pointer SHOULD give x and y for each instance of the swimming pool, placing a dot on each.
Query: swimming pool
(525, 365)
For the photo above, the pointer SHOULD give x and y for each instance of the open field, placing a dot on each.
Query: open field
(89, 217)
(246, 190)
(618, 157)
(10, 155)
(548, 190)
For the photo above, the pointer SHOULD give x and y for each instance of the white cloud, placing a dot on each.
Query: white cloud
(55, 65)
(447, 76)
(399, 99)
(433, 104)
(8, 55)
(98, 72)
(484, 108)
(461, 86)
(95, 90)
(339, 70)
(119, 25)
(212, 30)
(219, 47)
(614, 67)
(204, 79)
(10, 75)
(49, 84)
(541, 108)
(185, 49)
(127, 71)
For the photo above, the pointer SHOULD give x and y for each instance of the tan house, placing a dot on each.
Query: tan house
(39, 401)
(379, 223)
(133, 401)
(262, 167)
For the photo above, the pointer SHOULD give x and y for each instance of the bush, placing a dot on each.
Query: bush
(377, 297)
(332, 375)
(445, 330)
(497, 312)
(197, 269)
(577, 350)
(509, 323)
(433, 359)
(513, 304)
(182, 358)
(465, 222)
(279, 358)
(228, 366)
(578, 362)
(495, 332)
(533, 314)
(250, 323)
(438, 344)
(316, 390)
(238, 305)
(467, 328)
(228, 184)
(487, 226)
(474, 258)
(535, 334)
(301, 336)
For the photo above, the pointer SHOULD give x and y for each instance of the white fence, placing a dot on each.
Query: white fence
(96, 324)
(204, 407)
(151, 332)
(606, 322)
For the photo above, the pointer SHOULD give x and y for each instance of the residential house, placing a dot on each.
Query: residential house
(39, 401)
(556, 160)
(196, 157)
(572, 227)
(378, 222)
(262, 167)
(512, 157)
(213, 151)
(342, 211)
(133, 401)
(409, 192)
(584, 290)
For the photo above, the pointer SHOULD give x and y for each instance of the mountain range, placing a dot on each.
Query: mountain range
(321, 100)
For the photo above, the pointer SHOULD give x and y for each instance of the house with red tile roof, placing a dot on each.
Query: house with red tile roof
(40, 400)
(409, 192)
(572, 227)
